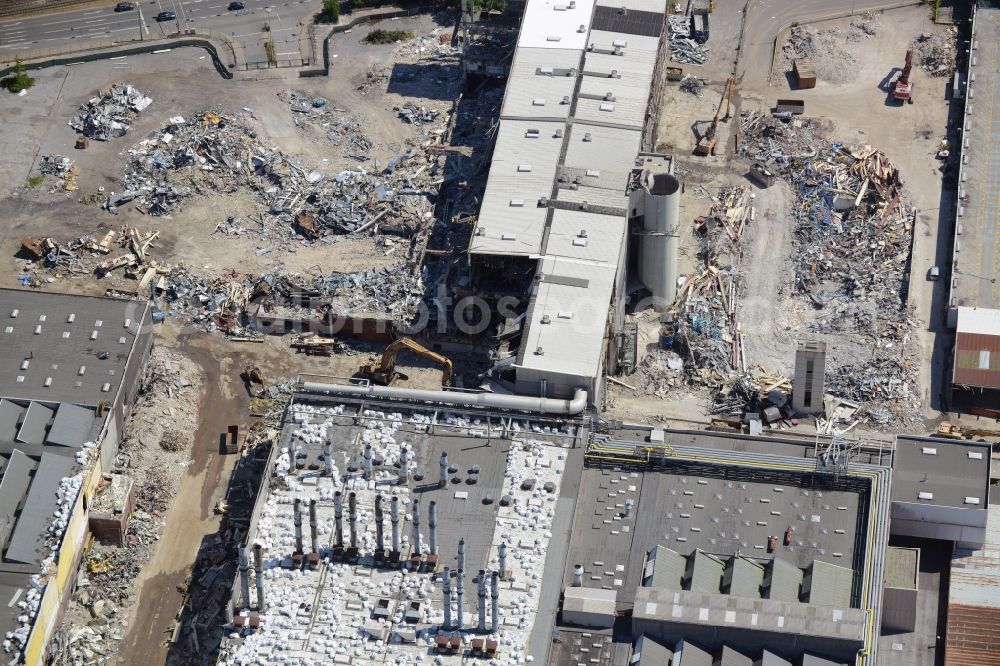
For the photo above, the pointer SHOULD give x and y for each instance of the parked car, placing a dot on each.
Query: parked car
(934, 273)
(236, 6)
(124, 6)
(166, 16)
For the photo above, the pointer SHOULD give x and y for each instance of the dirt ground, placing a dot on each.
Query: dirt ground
(855, 110)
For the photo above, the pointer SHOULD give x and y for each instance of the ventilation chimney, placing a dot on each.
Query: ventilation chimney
(628, 508)
(459, 593)
(298, 525)
(245, 577)
(394, 517)
(328, 457)
(482, 602)
(368, 462)
(404, 465)
(258, 556)
(379, 519)
(447, 599)
(352, 507)
(443, 481)
(503, 559)
(432, 523)
(313, 526)
(338, 518)
(293, 453)
(495, 601)
(577, 575)
(416, 526)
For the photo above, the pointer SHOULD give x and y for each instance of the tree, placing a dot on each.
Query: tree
(331, 10)
(19, 80)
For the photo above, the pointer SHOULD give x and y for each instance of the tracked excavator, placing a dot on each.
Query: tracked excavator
(383, 371)
(706, 144)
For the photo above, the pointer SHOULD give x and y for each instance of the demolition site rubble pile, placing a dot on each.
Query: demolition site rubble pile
(851, 253)
(829, 49)
(935, 52)
(683, 49)
(210, 154)
(110, 114)
(62, 168)
(313, 112)
(154, 455)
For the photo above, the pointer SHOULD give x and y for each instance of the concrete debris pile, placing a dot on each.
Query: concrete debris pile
(110, 114)
(62, 168)
(702, 323)
(833, 61)
(935, 52)
(851, 253)
(683, 49)
(375, 78)
(866, 24)
(693, 85)
(416, 115)
(312, 113)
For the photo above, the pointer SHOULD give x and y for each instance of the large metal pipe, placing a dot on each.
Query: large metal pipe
(482, 601)
(503, 558)
(394, 517)
(521, 403)
(658, 202)
(495, 601)
(368, 462)
(404, 465)
(258, 556)
(447, 598)
(298, 525)
(352, 507)
(244, 577)
(459, 593)
(432, 522)
(328, 457)
(379, 519)
(313, 526)
(416, 526)
(443, 481)
(338, 519)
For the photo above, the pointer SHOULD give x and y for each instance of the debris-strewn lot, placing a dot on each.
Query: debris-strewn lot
(830, 49)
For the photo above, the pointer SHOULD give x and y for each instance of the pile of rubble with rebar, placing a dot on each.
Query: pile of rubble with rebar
(683, 49)
(851, 256)
(110, 114)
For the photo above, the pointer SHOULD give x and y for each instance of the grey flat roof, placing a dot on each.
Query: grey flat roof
(73, 426)
(786, 581)
(953, 472)
(831, 585)
(28, 541)
(590, 600)
(901, 567)
(35, 423)
(10, 415)
(977, 248)
(814, 660)
(13, 485)
(61, 353)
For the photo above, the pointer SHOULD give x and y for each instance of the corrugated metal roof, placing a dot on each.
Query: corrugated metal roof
(689, 654)
(665, 568)
(547, 26)
(632, 22)
(831, 585)
(786, 581)
(975, 574)
(977, 360)
(10, 415)
(648, 652)
(28, 541)
(590, 600)
(984, 321)
(72, 426)
(607, 149)
(706, 572)
(747, 577)
(638, 5)
(815, 660)
(950, 471)
(771, 659)
(540, 74)
(35, 423)
(730, 656)
(973, 636)
(15, 482)
(901, 567)
(581, 235)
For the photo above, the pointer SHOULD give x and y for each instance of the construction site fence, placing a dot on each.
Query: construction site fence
(105, 49)
(343, 27)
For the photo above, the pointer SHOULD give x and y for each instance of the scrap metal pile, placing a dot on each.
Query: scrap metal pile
(62, 168)
(312, 112)
(705, 326)
(851, 253)
(210, 153)
(682, 48)
(110, 114)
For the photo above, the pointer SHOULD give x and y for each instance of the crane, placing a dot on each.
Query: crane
(902, 91)
(383, 372)
(706, 145)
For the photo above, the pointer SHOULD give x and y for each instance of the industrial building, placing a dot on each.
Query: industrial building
(973, 293)
(70, 372)
(575, 204)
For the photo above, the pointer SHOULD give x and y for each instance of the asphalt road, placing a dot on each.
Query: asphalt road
(766, 17)
(80, 26)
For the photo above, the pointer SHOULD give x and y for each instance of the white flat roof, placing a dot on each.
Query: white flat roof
(587, 236)
(537, 75)
(982, 321)
(554, 25)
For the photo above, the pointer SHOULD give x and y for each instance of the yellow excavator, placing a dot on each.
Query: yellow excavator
(384, 373)
(706, 145)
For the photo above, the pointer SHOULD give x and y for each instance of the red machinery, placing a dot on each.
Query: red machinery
(903, 88)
